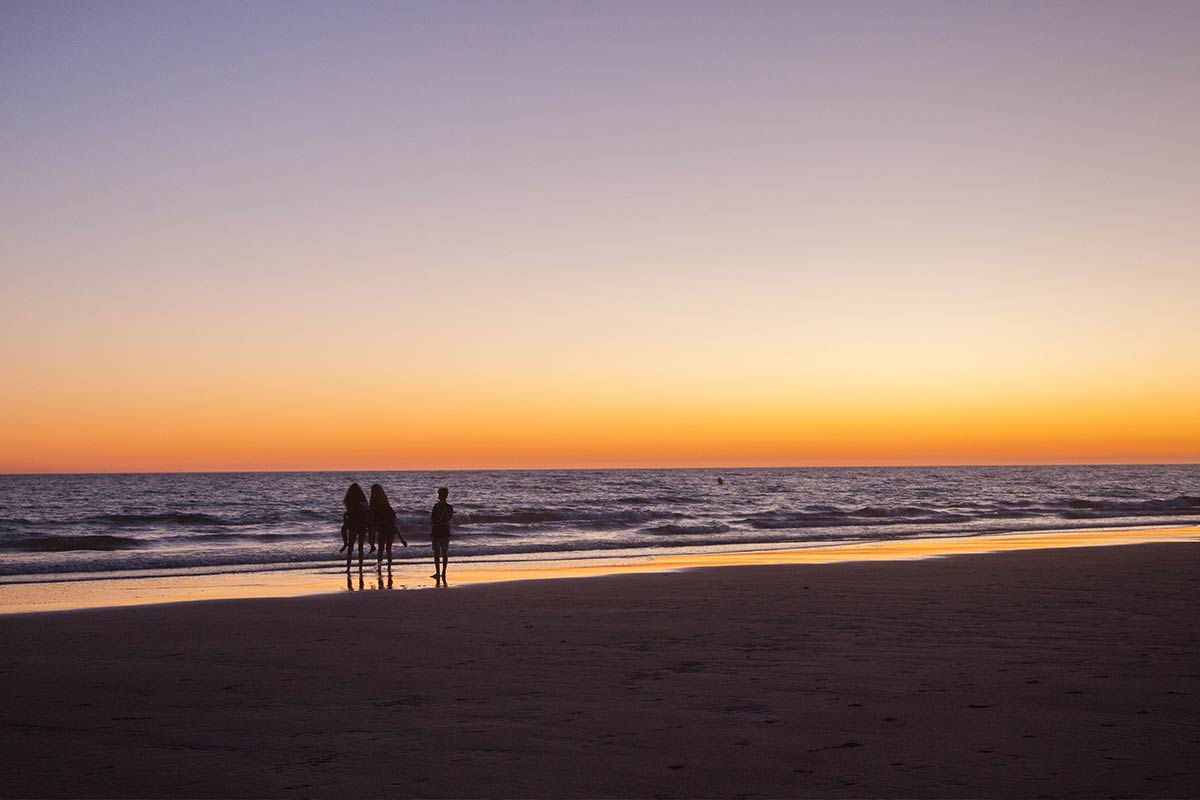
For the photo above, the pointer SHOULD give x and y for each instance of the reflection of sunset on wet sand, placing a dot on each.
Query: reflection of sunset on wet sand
(405, 575)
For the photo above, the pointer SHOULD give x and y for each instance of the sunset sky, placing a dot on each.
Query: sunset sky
(456, 235)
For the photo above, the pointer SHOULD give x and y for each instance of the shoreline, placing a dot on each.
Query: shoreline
(409, 573)
(1065, 672)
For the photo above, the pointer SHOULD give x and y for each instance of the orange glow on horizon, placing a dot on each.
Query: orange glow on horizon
(615, 430)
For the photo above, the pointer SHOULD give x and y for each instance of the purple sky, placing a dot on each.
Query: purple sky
(664, 198)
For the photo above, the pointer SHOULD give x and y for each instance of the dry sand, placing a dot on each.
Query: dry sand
(1057, 673)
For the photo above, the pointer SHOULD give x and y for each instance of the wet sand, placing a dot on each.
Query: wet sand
(412, 565)
(1058, 673)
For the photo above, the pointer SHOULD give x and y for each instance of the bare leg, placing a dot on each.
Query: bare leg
(437, 570)
(442, 554)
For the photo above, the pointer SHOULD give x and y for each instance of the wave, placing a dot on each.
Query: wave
(62, 544)
(195, 519)
(543, 515)
(1099, 509)
(164, 518)
(684, 530)
(828, 516)
(248, 537)
(15, 524)
(1071, 509)
(51, 558)
(647, 500)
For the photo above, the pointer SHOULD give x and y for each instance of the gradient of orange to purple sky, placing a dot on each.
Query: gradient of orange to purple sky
(454, 235)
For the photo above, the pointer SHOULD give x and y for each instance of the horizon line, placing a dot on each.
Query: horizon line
(613, 469)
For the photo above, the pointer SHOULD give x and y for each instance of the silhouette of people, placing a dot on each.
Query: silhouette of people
(355, 521)
(382, 524)
(443, 512)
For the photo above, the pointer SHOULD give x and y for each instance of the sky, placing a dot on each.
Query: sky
(584, 234)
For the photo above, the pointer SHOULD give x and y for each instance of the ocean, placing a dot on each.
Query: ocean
(59, 527)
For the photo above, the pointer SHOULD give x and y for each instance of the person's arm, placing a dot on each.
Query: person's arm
(395, 523)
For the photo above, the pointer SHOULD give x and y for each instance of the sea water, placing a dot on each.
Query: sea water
(143, 524)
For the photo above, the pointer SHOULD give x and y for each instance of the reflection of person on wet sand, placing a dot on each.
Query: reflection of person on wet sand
(440, 533)
(383, 524)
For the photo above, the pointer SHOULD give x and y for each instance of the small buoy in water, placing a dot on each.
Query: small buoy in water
(720, 481)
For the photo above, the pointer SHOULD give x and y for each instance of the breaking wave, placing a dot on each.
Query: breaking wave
(826, 516)
(684, 530)
(538, 516)
(62, 544)
(1099, 509)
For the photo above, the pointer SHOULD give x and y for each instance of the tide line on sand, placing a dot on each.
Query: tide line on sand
(411, 569)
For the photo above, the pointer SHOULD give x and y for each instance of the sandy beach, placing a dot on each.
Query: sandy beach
(1053, 673)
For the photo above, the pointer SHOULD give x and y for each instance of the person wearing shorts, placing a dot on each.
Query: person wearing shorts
(443, 512)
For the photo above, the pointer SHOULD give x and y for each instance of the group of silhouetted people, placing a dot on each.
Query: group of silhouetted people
(374, 522)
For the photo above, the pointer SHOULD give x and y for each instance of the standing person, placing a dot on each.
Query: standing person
(441, 516)
(355, 522)
(382, 522)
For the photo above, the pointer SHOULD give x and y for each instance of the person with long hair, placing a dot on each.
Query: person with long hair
(382, 524)
(356, 519)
